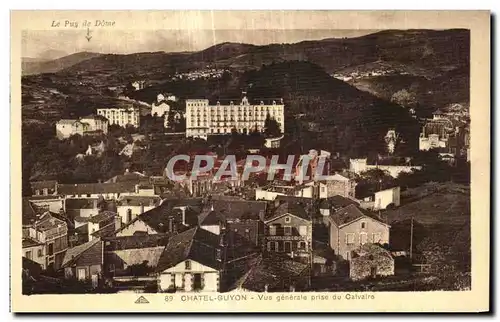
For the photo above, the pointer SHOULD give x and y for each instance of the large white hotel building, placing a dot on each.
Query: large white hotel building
(128, 116)
(203, 119)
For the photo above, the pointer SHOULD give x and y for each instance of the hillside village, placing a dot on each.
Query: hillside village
(101, 213)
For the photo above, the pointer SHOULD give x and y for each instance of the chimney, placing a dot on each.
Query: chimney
(118, 222)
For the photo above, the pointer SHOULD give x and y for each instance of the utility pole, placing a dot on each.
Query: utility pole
(411, 239)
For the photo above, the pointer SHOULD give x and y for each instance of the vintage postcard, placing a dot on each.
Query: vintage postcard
(250, 161)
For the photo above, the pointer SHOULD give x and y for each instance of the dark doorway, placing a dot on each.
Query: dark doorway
(197, 282)
(373, 271)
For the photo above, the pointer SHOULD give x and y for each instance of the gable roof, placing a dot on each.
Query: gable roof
(291, 208)
(74, 253)
(81, 203)
(102, 216)
(29, 212)
(135, 242)
(132, 201)
(47, 221)
(196, 244)
(347, 215)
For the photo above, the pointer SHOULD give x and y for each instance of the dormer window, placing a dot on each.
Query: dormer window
(187, 265)
(288, 219)
(363, 225)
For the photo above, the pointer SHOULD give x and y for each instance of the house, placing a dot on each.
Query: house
(289, 230)
(271, 274)
(273, 143)
(139, 84)
(104, 223)
(129, 207)
(129, 176)
(125, 116)
(242, 217)
(160, 107)
(80, 208)
(337, 184)
(66, 128)
(170, 216)
(43, 188)
(306, 190)
(97, 123)
(84, 262)
(53, 203)
(370, 260)
(34, 251)
(382, 199)
(52, 233)
(122, 254)
(350, 227)
(192, 261)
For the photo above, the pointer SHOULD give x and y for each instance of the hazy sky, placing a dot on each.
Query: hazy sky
(37, 43)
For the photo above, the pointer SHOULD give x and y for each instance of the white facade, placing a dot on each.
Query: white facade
(160, 109)
(203, 119)
(433, 141)
(189, 277)
(121, 116)
(67, 128)
(386, 197)
(128, 213)
(358, 166)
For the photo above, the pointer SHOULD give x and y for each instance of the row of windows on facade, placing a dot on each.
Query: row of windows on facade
(231, 108)
(220, 131)
(287, 230)
(287, 246)
(363, 238)
(233, 112)
(50, 252)
(223, 119)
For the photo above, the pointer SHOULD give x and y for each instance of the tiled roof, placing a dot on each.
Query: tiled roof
(105, 231)
(29, 212)
(105, 215)
(81, 203)
(136, 177)
(73, 253)
(66, 121)
(349, 214)
(290, 208)
(135, 242)
(47, 221)
(95, 188)
(28, 242)
(194, 244)
(371, 249)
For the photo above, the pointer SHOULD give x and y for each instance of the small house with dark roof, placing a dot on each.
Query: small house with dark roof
(172, 215)
(351, 227)
(85, 261)
(104, 223)
(123, 254)
(192, 261)
(289, 230)
(35, 251)
(243, 217)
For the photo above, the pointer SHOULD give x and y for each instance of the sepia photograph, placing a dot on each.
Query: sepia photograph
(225, 164)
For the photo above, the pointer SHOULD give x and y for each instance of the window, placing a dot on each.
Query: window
(129, 215)
(271, 246)
(303, 230)
(88, 195)
(51, 249)
(363, 225)
(272, 230)
(40, 252)
(302, 245)
(349, 238)
(288, 230)
(187, 265)
(363, 238)
(288, 219)
(29, 255)
(377, 238)
(81, 274)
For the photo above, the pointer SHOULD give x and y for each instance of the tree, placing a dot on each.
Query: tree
(271, 126)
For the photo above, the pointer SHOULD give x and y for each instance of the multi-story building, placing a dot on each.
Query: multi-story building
(97, 123)
(203, 119)
(52, 234)
(289, 231)
(350, 228)
(122, 116)
(160, 108)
